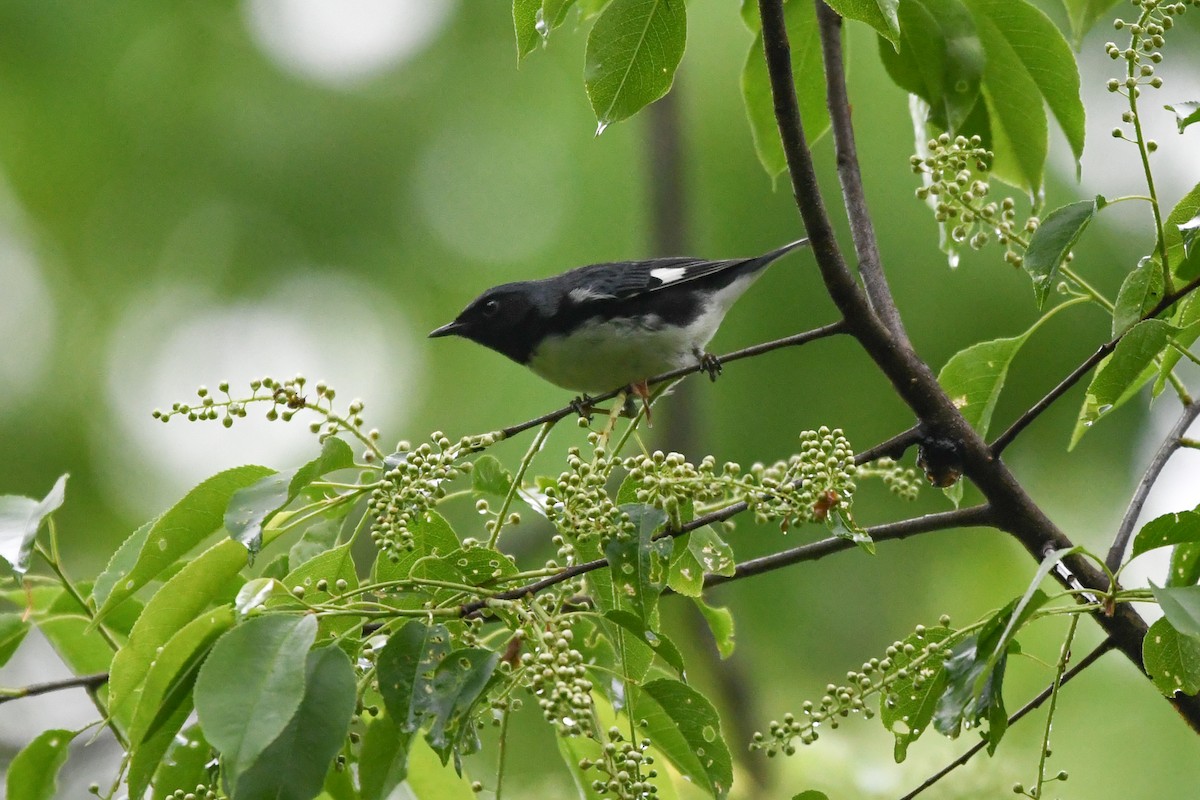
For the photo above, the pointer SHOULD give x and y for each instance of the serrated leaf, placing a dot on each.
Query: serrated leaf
(640, 566)
(293, 766)
(699, 553)
(685, 727)
(1171, 659)
(405, 668)
(20, 520)
(458, 684)
(720, 622)
(33, 772)
(907, 708)
(120, 564)
(882, 15)
(490, 477)
(172, 674)
(1028, 62)
(1185, 113)
(185, 525)
(1083, 15)
(1053, 239)
(657, 642)
(13, 628)
(180, 600)
(632, 53)
(1121, 375)
(253, 506)
(940, 59)
(808, 70)
(1184, 211)
(525, 15)
(1169, 529)
(973, 378)
(1181, 606)
(1140, 292)
(251, 685)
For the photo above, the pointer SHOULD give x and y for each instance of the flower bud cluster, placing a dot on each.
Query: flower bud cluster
(626, 767)
(906, 666)
(558, 679)
(578, 504)
(901, 481)
(411, 488)
(956, 172)
(806, 486)
(669, 480)
(1141, 56)
(201, 792)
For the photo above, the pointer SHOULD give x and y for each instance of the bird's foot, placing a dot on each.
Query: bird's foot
(584, 406)
(710, 364)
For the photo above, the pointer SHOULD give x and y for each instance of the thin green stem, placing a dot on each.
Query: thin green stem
(1092, 291)
(1194, 444)
(534, 447)
(500, 757)
(1063, 657)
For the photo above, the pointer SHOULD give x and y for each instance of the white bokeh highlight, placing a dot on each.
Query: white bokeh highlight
(346, 42)
(27, 319)
(174, 339)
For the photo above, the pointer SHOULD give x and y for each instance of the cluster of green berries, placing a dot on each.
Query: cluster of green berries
(904, 669)
(807, 486)
(578, 505)
(558, 679)
(901, 481)
(956, 184)
(1146, 38)
(626, 767)
(669, 481)
(201, 792)
(410, 488)
(1035, 794)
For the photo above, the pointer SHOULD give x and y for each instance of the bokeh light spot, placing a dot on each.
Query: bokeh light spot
(27, 319)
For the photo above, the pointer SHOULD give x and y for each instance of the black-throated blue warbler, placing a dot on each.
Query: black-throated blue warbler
(607, 326)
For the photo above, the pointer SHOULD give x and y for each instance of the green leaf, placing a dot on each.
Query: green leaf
(147, 757)
(430, 780)
(940, 59)
(1083, 15)
(699, 553)
(1185, 211)
(1185, 113)
(1171, 659)
(13, 628)
(184, 526)
(478, 566)
(907, 708)
(573, 750)
(331, 566)
(253, 506)
(20, 520)
(685, 727)
(1181, 606)
(553, 14)
(1053, 239)
(1169, 529)
(639, 565)
(383, 759)
(251, 686)
(525, 16)
(293, 767)
(180, 600)
(1187, 319)
(808, 70)
(1121, 375)
(432, 536)
(662, 647)
(632, 53)
(490, 477)
(720, 622)
(974, 377)
(69, 630)
(1028, 61)
(1185, 565)
(405, 669)
(120, 564)
(879, 14)
(811, 794)
(33, 772)
(1140, 292)
(458, 684)
(172, 674)
(315, 540)
(185, 765)
(843, 526)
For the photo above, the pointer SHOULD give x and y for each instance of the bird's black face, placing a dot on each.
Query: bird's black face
(504, 319)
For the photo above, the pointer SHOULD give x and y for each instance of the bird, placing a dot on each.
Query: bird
(610, 326)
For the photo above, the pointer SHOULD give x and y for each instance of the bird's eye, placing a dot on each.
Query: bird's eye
(491, 308)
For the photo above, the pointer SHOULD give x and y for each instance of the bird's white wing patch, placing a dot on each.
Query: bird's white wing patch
(668, 274)
(582, 294)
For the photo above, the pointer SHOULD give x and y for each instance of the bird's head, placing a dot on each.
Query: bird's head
(504, 318)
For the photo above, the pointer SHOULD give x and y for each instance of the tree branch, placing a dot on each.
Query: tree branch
(795, 340)
(1173, 442)
(1032, 705)
(92, 681)
(862, 231)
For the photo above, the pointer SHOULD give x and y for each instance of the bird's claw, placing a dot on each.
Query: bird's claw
(711, 365)
(584, 406)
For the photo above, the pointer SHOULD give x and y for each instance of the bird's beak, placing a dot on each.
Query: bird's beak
(449, 329)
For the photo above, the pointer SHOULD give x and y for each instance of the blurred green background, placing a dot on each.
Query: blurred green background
(192, 192)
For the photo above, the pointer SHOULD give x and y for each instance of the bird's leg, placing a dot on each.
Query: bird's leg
(641, 390)
(584, 406)
(613, 414)
(709, 363)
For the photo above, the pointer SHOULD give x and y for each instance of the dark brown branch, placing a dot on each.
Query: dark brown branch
(92, 681)
(893, 448)
(1032, 705)
(862, 231)
(974, 517)
(795, 340)
(1022, 422)
(1170, 444)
